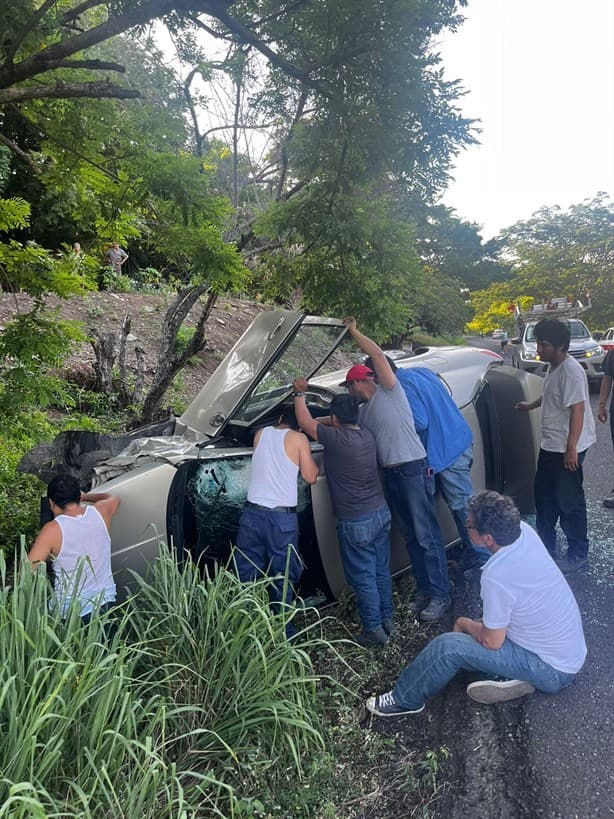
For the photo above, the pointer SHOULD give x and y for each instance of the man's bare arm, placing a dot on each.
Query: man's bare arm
(305, 420)
(306, 464)
(604, 394)
(576, 422)
(48, 542)
(106, 503)
(382, 368)
(492, 638)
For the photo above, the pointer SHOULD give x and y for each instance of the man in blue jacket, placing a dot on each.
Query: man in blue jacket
(448, 441)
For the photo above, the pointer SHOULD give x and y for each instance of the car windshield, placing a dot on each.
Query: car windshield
(578, 329)
(308, 347)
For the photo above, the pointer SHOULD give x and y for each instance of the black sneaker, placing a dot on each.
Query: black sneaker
(490, 691)
(435, 610)
(390, 628)
(609, 501)
(420, 602)
(372, 639)
(569, 565)
(385, 705)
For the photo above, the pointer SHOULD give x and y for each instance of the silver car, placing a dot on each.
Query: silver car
(189, 487)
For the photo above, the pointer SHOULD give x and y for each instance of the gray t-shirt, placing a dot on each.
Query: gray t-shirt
(388, 416)
(350, 462)
(564, 386)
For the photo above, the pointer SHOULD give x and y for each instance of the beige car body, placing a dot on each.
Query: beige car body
(206, 461)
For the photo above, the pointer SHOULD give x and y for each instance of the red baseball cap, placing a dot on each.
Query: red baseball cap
(359, 372)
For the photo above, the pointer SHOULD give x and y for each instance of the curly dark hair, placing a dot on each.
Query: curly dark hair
(496, 515)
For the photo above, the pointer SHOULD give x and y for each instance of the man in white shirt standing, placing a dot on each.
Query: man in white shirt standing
(530, 631)
(78, 541)
(267, 540)
(567, 431)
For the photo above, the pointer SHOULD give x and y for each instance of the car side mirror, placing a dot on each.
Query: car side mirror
(515, 340)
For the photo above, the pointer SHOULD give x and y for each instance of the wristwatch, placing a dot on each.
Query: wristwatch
(298, 394)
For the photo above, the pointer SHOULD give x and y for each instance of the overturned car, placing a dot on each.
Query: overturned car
(186, 482)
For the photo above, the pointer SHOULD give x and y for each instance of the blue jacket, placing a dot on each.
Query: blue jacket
(444, 432)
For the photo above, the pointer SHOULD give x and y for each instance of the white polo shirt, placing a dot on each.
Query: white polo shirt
(524, 591)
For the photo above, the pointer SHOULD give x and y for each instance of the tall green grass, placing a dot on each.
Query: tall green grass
(193, 704)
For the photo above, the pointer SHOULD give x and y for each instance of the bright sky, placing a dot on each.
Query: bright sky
(540, 77)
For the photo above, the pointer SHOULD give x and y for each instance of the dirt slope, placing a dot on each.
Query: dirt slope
(106, 311)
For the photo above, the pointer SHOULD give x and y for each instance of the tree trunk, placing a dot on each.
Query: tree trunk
(170, 360)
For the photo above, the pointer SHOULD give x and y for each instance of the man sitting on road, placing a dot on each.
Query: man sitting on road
(448, 442)
(530, 631)
(409, 478)
(363, 517)
(267, 540)
(78, 540)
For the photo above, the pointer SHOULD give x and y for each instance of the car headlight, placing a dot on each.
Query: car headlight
(530, 356)
(593, 351)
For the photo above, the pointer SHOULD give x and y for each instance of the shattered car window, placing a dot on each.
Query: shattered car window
(308, 348)
(217, 493)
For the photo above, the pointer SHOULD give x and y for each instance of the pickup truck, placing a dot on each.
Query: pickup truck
(582, 347)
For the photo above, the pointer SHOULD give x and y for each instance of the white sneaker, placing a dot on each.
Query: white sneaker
(490, 691)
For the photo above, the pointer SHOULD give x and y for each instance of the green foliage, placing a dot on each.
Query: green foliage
(353, 257)
(198, 700)
(31, 346)
(14, 213)
(20, 494)
(566, 253)
(452, 247)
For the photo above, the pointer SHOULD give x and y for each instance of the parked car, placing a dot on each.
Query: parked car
(607, 340)
(395, 355)
(188, 485)
(499, 334)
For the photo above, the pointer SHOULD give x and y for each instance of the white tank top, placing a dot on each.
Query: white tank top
(82, 567)
(273, 480)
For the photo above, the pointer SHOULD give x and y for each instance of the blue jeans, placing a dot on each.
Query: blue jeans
(267, 544)
(411, 490)
(447, 654)
(365, 551)
(559, 495)
(456, 488)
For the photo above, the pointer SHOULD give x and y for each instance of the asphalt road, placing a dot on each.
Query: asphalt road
(542, 756)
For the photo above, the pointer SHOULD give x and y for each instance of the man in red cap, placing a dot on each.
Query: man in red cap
(410, 481)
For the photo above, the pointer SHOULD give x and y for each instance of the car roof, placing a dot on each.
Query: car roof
(462, 368)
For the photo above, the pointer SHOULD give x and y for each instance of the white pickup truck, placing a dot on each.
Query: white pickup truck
(582, 346)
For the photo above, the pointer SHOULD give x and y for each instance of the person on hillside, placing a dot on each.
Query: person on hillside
(78, 541)
(267, 540)
(530, 631)
(567, 431)
(363, 517)
(448, 442)
(602, 410)
(409, 478)
(116, 257)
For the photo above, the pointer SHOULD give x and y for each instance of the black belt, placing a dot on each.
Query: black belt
(251, 505)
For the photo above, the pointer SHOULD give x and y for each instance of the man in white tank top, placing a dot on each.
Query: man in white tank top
(267, 540)
(78, 540)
